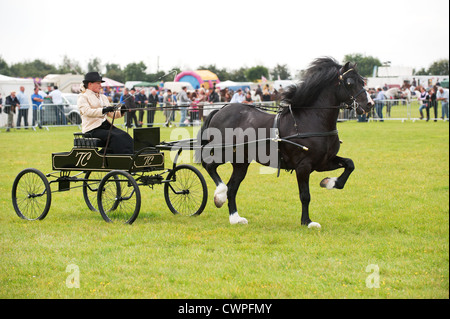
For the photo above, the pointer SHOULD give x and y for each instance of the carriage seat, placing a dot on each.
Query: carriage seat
(86, 140)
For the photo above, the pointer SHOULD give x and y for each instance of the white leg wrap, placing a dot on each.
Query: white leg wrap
(220, 195)
(331, 182)
(314, 225)
(236, 219)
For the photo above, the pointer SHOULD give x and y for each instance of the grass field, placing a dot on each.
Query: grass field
(386, 235)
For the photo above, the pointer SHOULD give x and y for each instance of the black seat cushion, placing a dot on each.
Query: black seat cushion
(84, 140)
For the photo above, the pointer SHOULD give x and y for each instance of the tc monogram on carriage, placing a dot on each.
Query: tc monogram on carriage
(148, 160)
(83, 158)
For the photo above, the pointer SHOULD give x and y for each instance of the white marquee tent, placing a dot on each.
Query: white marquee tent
(9, 84)
(111, 83)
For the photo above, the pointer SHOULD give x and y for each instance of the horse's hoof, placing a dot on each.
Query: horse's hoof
(220, 195)
(328, 182)
(314, 225)
(236, 219)
(323, 182)
(218, 202)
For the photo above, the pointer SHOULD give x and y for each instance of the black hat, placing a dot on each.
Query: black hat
(93, 77)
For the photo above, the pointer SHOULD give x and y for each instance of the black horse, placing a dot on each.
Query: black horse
(304, 134)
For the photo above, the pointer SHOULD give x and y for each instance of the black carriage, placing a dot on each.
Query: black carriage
(110, 182)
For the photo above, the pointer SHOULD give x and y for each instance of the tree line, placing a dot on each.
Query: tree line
(134, 71)
(137, 71)
(367, 63)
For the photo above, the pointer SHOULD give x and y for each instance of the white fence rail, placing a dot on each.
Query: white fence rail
(396, 110)
(49, 115)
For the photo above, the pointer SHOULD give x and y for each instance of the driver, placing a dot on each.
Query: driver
(94, 109)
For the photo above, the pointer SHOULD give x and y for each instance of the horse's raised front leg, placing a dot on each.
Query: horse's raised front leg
(305, 196)
(238, 175)
(338, 182)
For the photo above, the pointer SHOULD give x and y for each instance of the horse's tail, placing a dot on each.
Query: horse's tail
(202, 142)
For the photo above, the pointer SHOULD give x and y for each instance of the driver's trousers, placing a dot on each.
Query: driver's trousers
(120, 142)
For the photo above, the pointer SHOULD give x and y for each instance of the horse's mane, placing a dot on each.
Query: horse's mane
(321, 73)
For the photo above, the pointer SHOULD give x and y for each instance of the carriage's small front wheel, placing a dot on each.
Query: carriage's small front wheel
(185, 191)
(31, 194)
(119, 197)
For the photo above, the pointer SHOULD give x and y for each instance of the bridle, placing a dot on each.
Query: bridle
(354, 105)
(351, 105)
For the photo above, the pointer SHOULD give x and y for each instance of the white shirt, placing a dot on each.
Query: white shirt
(237, 98)
(56, 97)
(23, 100)
(444, 95)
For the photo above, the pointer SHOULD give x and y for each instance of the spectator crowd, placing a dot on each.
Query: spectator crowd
(428, 99)
(192, 104)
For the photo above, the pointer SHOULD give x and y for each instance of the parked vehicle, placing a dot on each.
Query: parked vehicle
(71, 108)
(52, 113)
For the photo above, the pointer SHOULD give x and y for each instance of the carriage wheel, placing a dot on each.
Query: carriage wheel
(31, 194)
(186, 192)
(118, 197)
(90, 188)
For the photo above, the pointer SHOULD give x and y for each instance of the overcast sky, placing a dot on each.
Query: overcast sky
(228, 33)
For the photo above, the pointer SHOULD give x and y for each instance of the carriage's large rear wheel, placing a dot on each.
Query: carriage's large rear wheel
(185, 192)
(118, 197)
(31, 194)
(90, 188)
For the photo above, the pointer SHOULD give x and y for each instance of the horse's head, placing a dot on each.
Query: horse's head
(351, 89)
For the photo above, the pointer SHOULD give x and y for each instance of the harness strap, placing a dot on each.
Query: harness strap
(276, 139)
(276, 125)
(286, 139)
(318, 134)
(293, 117)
